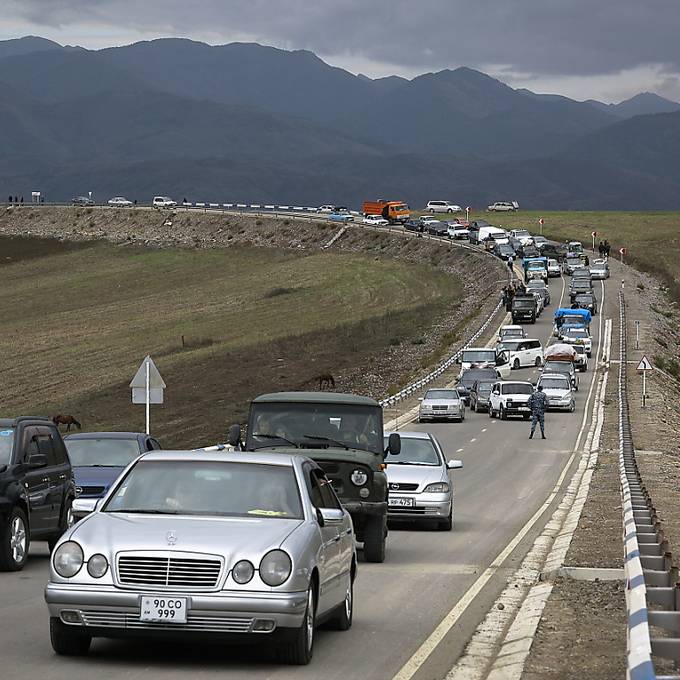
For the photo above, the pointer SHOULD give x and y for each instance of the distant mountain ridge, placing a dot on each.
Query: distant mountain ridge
(243, 121)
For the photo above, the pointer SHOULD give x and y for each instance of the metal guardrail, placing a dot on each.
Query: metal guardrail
(650, 576)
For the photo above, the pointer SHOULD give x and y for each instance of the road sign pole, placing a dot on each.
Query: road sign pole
(644, 389)
(148, 399)
(637, 335)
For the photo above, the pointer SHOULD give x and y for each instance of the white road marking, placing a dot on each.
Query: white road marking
(458, 450)
(474, 439)
(484, 429)
(411, 667)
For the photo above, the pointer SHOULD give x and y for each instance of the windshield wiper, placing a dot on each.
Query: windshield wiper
(145, 511)
(266, 435)
(326, 439)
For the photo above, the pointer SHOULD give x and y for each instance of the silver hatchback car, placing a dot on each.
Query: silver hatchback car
(419, 481)
(189, 543)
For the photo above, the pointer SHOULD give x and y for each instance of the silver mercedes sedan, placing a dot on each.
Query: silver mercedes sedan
(205, 544)
(419, 481)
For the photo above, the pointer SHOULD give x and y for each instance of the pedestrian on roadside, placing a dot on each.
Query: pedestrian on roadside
(22, 200)
(587, 261)
(538, 403)
(607, 248)
(600, 248)
(9, 199)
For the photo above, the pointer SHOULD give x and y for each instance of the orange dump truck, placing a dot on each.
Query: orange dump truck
(392, 211)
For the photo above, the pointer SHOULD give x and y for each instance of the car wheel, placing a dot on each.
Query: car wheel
(66, 522)
(14, 542)
(299, 651)
(572, 406)
(515, 364)
(462, 416)
(490, 412)
(374, 539)
(538, 362)
(447, 524)
(504, 415)
(343, 619)
(68, 640)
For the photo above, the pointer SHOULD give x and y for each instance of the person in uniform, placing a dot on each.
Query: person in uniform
(538, 403)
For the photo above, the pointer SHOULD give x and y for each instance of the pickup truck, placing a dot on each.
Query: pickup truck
(36, 487)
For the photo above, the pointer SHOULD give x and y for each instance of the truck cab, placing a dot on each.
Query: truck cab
(393, 211)
(343, 433)
(524, 308)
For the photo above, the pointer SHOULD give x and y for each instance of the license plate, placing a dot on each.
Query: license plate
(400, 502)
(164, 609)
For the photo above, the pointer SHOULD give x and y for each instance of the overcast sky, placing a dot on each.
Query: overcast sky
(603, 49)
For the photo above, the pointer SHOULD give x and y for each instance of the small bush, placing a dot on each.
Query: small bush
(662, 342)
(395, 342)
(275, 292)
(418, 341)
(641, 286)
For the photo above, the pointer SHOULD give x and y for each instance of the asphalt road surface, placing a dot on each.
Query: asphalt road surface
(505, 481)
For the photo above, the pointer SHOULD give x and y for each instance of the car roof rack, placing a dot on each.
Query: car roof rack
(20, 419)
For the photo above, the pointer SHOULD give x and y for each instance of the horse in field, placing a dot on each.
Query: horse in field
(65, 420)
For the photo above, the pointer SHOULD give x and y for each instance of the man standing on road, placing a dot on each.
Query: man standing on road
(538, 403)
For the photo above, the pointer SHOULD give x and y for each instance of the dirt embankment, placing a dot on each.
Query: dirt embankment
(376, 358)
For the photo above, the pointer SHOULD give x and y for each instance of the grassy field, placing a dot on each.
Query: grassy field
(222, 325)
(652, 238)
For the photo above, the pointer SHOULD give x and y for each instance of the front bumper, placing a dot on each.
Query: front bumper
(449, 414)
(107, 608)
(559, 405)
(428, 506)
(517, 409)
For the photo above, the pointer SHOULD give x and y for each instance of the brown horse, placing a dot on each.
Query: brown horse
(326, 381)
(65, 420)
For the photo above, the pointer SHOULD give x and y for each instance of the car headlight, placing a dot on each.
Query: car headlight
(275, 568)
(242, 572)
(68, 559)
(437, 487)
(97, 566)
(359, 477)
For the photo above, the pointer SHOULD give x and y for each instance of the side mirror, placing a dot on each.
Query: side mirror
(330, 515)
(420, 398)
(394, 444)
(234, 435)
(37, 460)
(455, 465)
(320, 518)
(458, 360)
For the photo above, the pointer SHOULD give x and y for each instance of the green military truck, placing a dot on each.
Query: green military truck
(343, 433)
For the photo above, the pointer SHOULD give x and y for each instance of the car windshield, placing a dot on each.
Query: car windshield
(584, 298)
(521, 232)
(578, 333)
(102, 452)
(554, 383)
(206, 488)
(536, 284)
(414, 452)
(509, 345)
(517, 388)
(478, 355)
(553, 263)
(355, 426)
(512, 334)
(574, 261)
(484, 387)
(6, 442)
(469, 377)
(442, 394)
(523, 303)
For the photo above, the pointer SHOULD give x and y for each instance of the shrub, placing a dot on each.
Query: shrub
(275, 292)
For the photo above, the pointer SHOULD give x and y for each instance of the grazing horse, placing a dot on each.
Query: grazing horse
(65, 420)
(326, 381)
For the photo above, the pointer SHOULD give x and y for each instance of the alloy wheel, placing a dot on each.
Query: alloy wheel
(17, 541)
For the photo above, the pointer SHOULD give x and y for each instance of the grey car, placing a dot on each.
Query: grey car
(237, 546)
(558, 389)
(441, 404)
(538, 286)
(419, 481)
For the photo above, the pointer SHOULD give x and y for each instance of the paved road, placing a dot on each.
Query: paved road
(505, 480)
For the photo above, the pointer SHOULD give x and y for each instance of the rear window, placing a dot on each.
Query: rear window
(6, 444)
(102, 452)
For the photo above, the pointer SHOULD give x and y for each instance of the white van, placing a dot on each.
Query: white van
(442, 207)
(484, 357)
(163, 202)
(522, 352)
(499, 235)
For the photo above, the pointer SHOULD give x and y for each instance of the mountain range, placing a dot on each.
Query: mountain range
(244, 122)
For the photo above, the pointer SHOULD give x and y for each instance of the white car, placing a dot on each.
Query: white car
(510, 398)
(522, 352)
(522, 235)
(579, 336)
(457, 231)
(326, 209)
(428, 219)
(599, 269)
(163, 202)
(539, 300)
(511, 332)
(375, 220)
(441, 404)
(484, 357)
(557, 387)
(554, 268)
(119, 202)
(503, 206)
(442, 207)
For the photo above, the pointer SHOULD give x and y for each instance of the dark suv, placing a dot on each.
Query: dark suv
(36, 487)
(343, 433)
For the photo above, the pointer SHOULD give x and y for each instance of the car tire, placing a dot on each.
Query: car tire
(343, 619)
(374, 539)
(299, 651)
(68, 640)
(538, 363)
(14, 541)
(572, 407)
(65, 523)
(447, 524)
(490, 412)
(504, 415)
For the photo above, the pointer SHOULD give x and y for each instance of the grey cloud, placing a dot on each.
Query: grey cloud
(541, 37)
